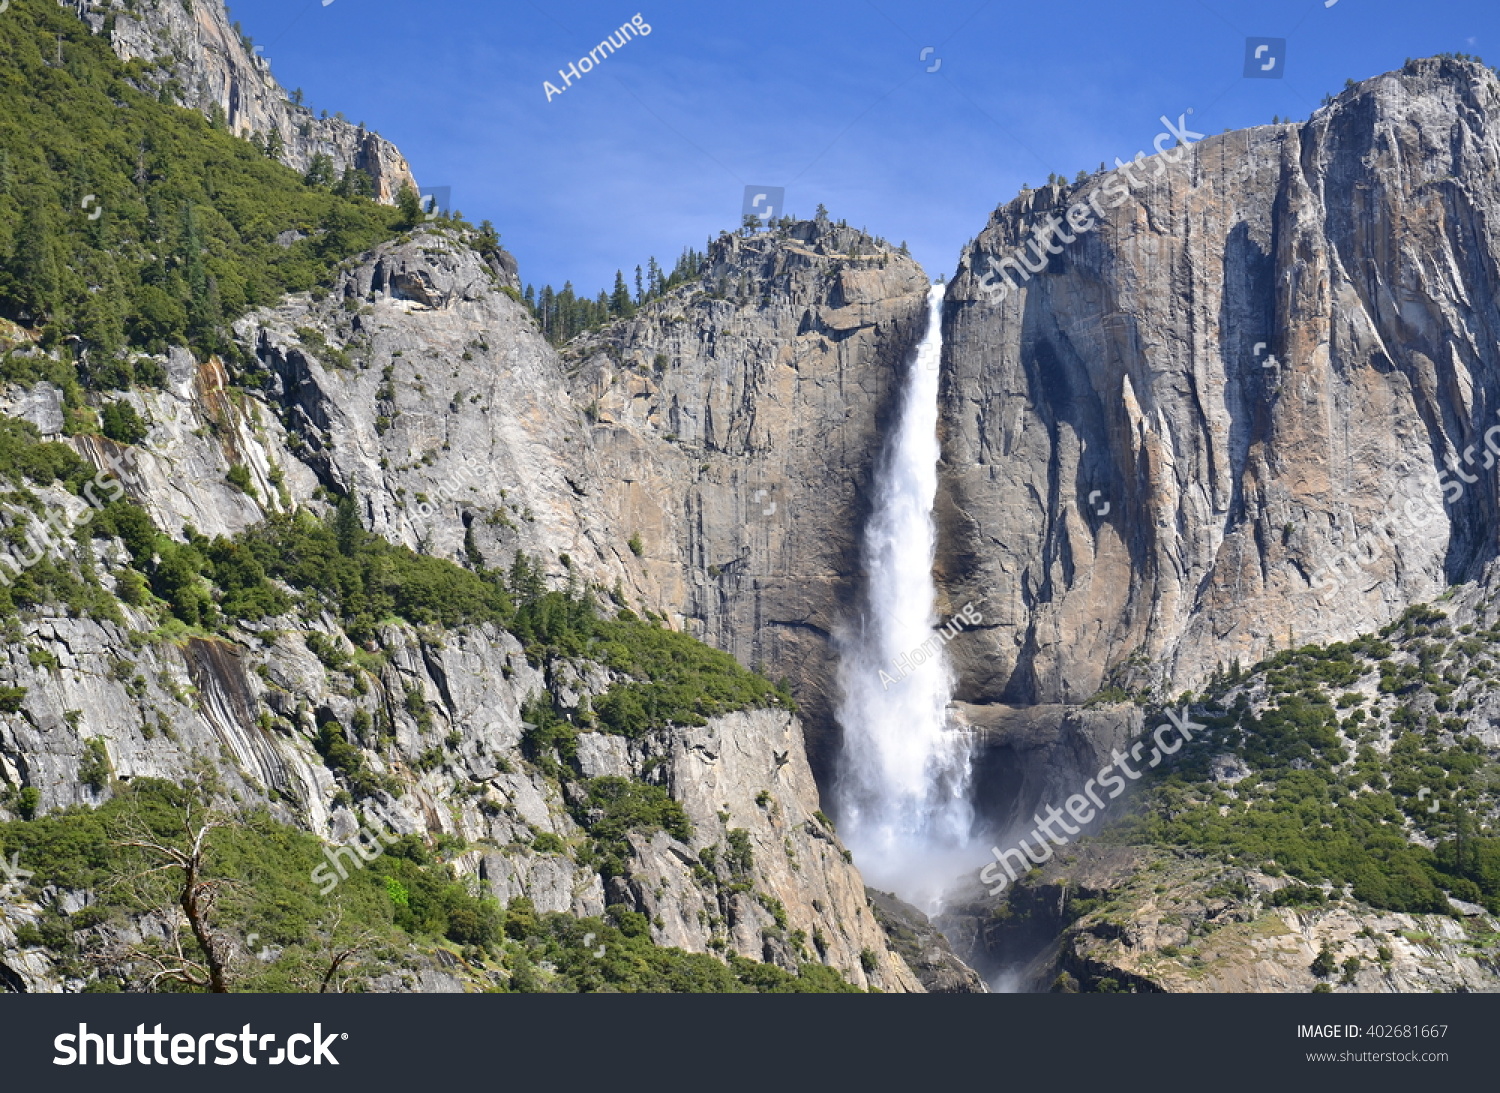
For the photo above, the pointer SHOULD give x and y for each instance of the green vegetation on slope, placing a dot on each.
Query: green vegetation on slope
(564, 954)
(277, 933)
(130, 221)
(1339, 786)
(405, 897)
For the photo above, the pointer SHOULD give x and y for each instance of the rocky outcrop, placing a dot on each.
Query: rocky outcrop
(212, 68)
(925, 950)
(1130, 919)
(1156, 447)
(423, 385)
(748, 773)
(1029, 757)
(736, 421)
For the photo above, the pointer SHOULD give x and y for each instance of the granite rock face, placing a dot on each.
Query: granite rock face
(1185, 924)
(736, 422)
(926, 951)
(1027, 758)
(421, 383)
(1177, 443)
(747, 773)
(214, 68)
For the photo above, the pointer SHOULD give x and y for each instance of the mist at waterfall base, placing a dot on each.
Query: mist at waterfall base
(902, 790)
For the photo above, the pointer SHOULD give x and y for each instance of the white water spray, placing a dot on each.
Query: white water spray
(904, 775)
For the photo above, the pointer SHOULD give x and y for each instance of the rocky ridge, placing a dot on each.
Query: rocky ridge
(211, 68)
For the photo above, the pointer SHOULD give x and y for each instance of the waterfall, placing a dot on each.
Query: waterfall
(903, 778)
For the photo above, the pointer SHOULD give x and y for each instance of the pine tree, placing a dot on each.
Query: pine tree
(101, 320)
(407, 200)
(320, 172)
(487, 240)
(35, 264)
(347, 529)
(619, 300)
(527, 583)
(354, 183)
(206, 322)
(471, 549)
(189, 259)
(547, 310)
(567, 312)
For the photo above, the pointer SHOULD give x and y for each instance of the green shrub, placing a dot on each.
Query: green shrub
(362, 578)
(25, 455)
(1296, 895)
(121, 423)
(345, 759)
(676, 680)
(558, 953)
(1325, 963)
(615, 806)
(1296, 815)
(239, 478)
(94, 768)
(740, 855)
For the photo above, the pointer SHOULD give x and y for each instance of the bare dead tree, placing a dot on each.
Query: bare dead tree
(192, 895)
(340, 951)
(185, 909)
(337, 961)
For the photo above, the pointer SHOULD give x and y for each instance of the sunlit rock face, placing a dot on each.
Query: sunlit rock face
(1217, 421)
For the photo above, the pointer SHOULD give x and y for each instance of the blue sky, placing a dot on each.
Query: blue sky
(652, 150)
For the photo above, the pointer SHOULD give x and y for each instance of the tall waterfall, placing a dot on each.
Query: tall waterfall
(903, 779)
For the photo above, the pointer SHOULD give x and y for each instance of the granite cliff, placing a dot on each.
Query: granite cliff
(1155, 446)
(735, 423)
